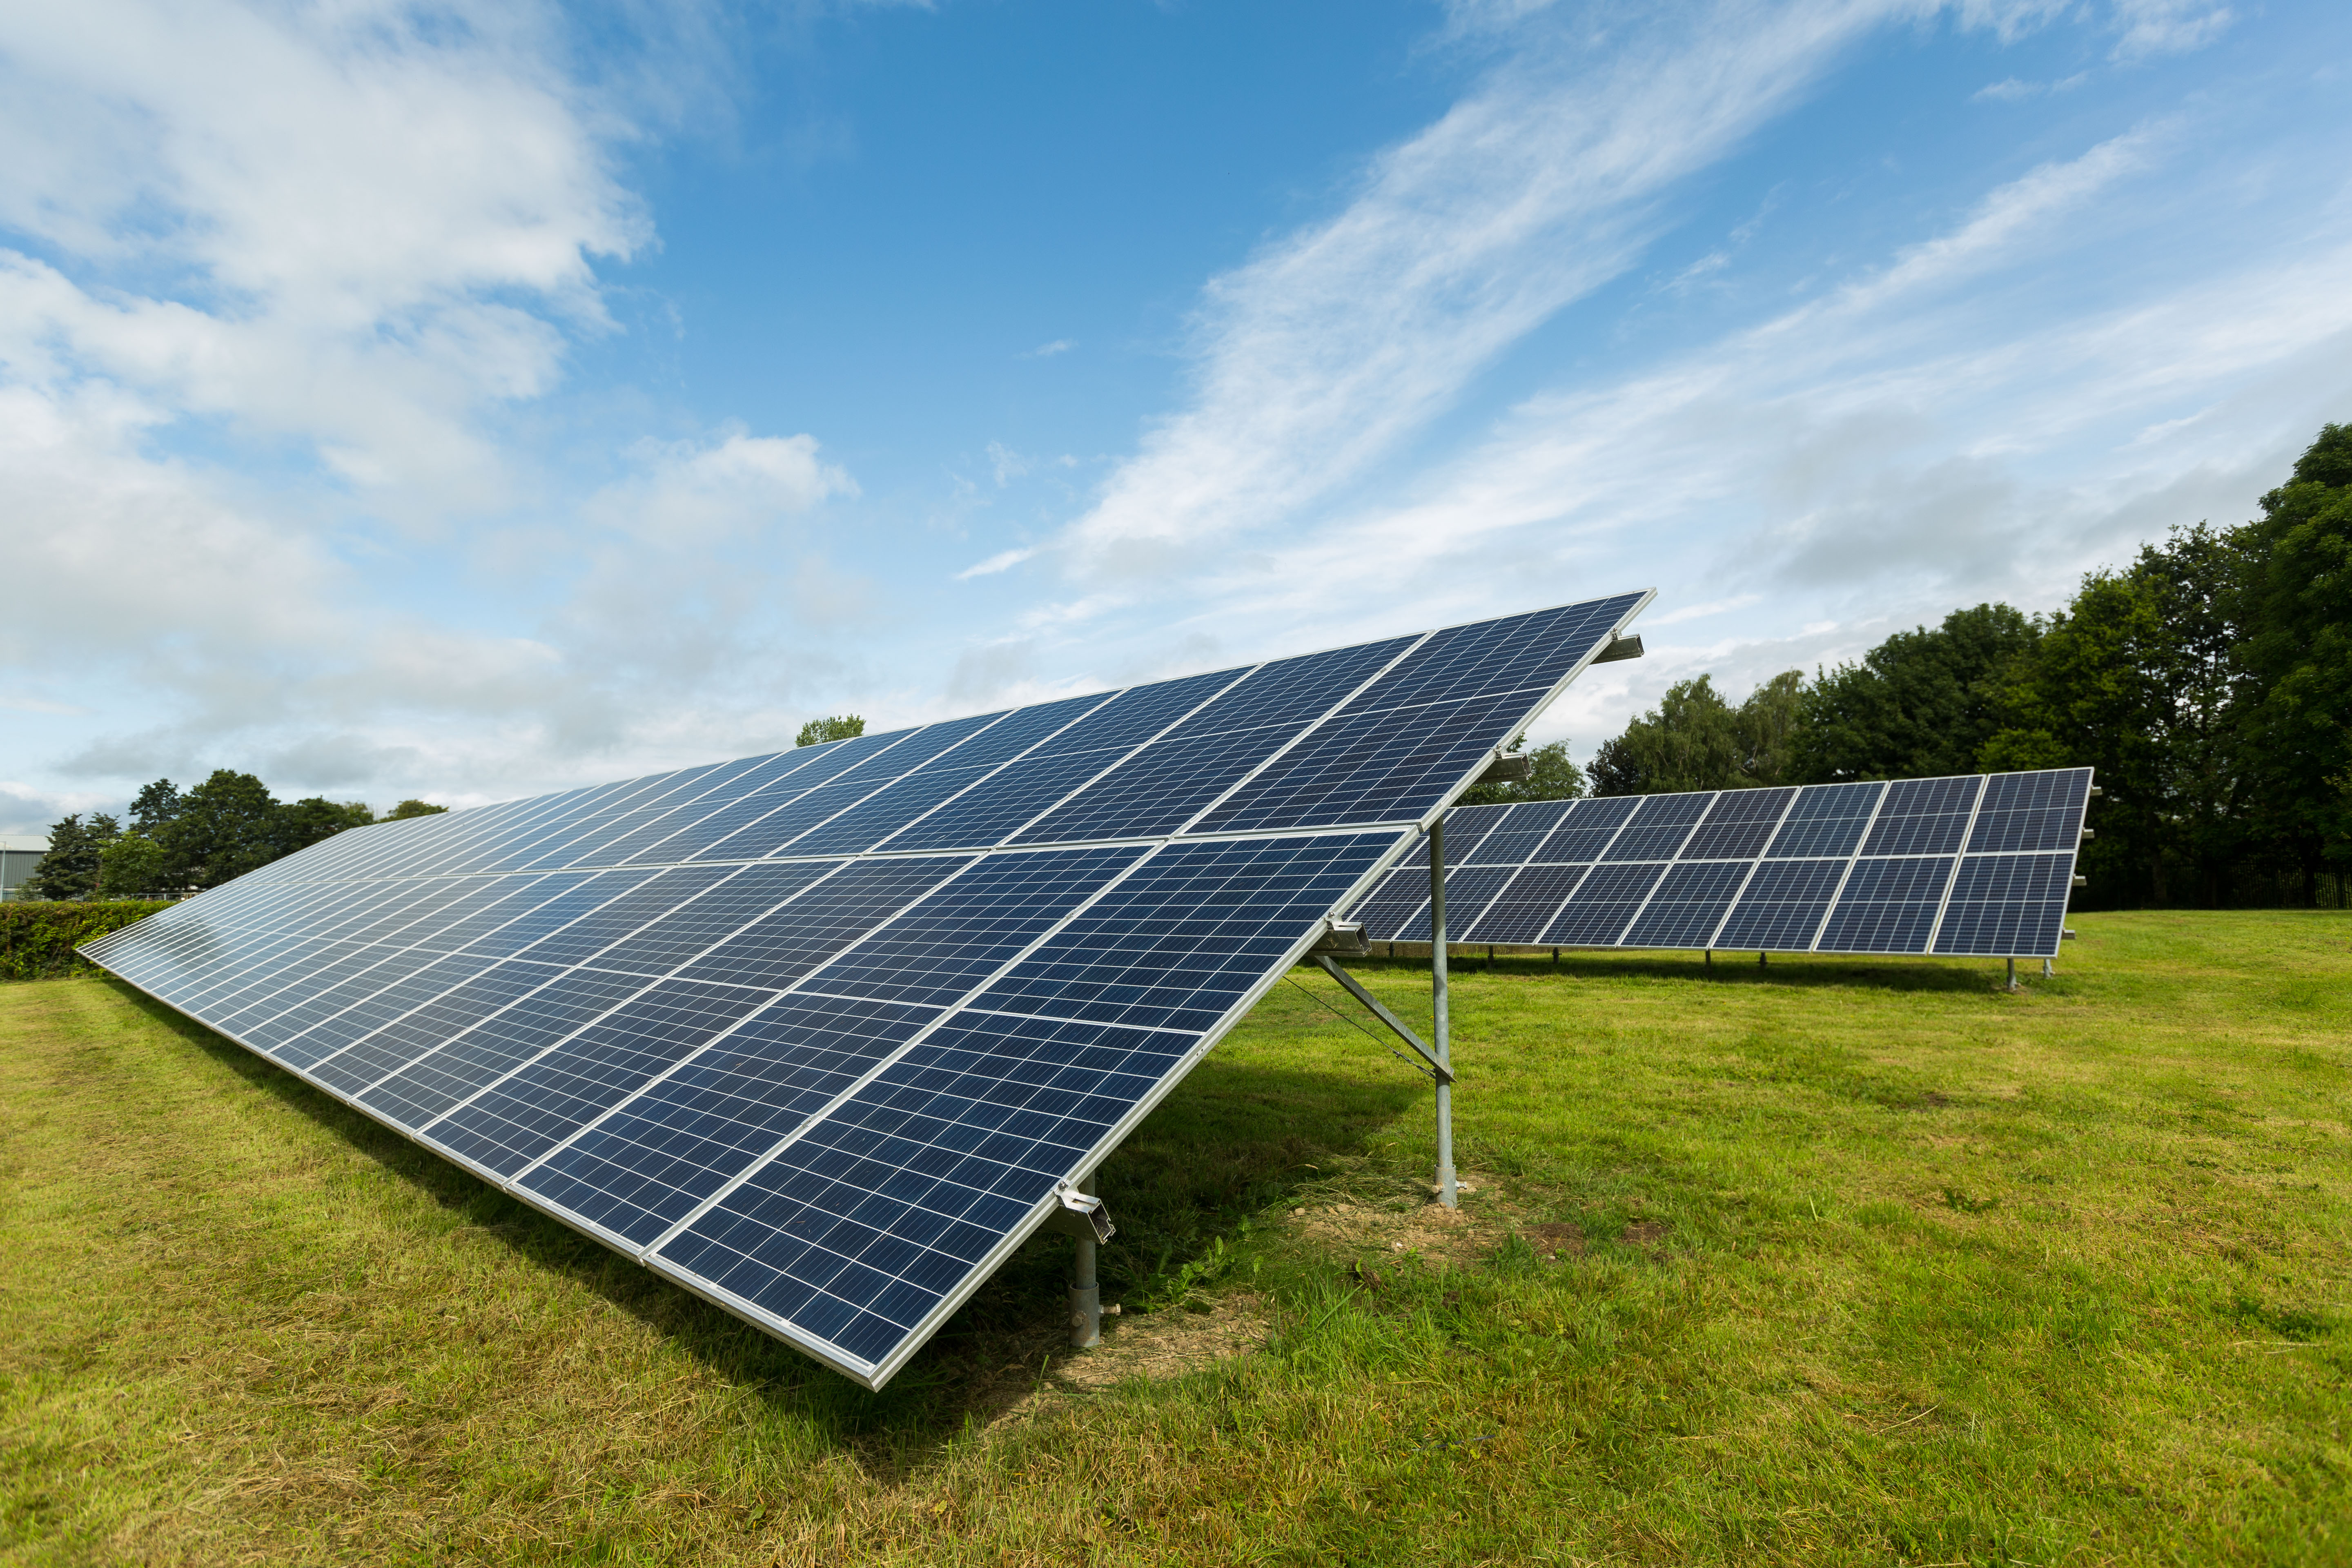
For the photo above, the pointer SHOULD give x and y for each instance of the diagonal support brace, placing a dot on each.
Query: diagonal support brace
(1445, 1074)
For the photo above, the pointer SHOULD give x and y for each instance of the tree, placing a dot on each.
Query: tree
(1918, 705)
(2295, 612)
(69, 867)
(841, 726)
(227, 826)
(155, 805)
(2093, 693)
(1551, 775)
(1695, 739)
(408, 809)
(135, 867)
(303, 823)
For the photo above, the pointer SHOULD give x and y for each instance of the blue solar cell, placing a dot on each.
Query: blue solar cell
(1516, 837)
(876, 817)
(1467, 893)
(1354, 768)
(1603, 905)
(1658, 829)
(1139, 713)
(333, 1018)
(402, 1040)
(1689, 904)
(471, 1060)
(779, 948)
(2032, 811)
(624, 915)
(2010, 906)
(1515, 653)
(695, 841)
(268, 1024)
(570, 904)
(1394, 907)
(1827, 819)
(773, 831)
(1525, 906)
(1738, 825)
(1587, 831)
(1160, 788)
(1784, 905)
(1189, 932)
(649, 1164)
(542, 1103)
(523, 896)
(1291, 693)
(964, 931)
(1888, 906)
(857, 1231)
(1019, 792)
(709, 917)
(1923, 816)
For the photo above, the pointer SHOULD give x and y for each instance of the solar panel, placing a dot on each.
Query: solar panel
(819, 1034)
(1968, 865)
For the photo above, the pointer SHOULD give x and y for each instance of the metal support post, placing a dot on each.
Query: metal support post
(2046, 971)
(1441, 1029)
(1085, 1293)
(2012, 974)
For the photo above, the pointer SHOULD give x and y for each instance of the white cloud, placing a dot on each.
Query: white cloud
(1047, 351)
(355, 226)
(2168, 26)
(1330, 351)
(693, 494)
(1004, 560)
(1008, 464)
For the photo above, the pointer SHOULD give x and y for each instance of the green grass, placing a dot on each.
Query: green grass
(1882, 1265)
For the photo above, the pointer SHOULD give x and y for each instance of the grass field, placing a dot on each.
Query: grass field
(1823, 1263)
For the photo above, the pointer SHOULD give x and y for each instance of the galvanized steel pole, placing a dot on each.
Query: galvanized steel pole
(1085, 1292)
(1441, 1030)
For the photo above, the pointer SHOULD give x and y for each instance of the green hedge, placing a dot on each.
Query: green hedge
(37, 939)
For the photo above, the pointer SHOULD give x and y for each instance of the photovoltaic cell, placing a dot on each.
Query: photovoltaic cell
(1689, 904)
(1524, 908)
(817, 1032)
(1826, 819)
(2007, 903)
(1597, 913)
(1923, 816)
(2032, 811)
(1517, 834)
(1845, 867)
(1658, 829)
(1781, 908)
(1888, 905)
(1585, 833)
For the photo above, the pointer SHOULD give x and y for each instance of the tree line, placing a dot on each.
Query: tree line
(174, 844)
(2208, 681)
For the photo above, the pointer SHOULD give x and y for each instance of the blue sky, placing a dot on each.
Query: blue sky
(399, 399)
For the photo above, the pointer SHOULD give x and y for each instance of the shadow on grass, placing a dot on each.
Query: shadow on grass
(1792, 972)
(1232, 1141)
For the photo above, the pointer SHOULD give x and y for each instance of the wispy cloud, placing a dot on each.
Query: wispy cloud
(1004, 560)
(1330, 351)
(1047, 351)
(2151, 27)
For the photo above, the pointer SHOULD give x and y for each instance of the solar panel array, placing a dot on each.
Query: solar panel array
(818, 1033)
(1972, 865)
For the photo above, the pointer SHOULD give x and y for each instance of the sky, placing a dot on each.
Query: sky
(409, 400)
